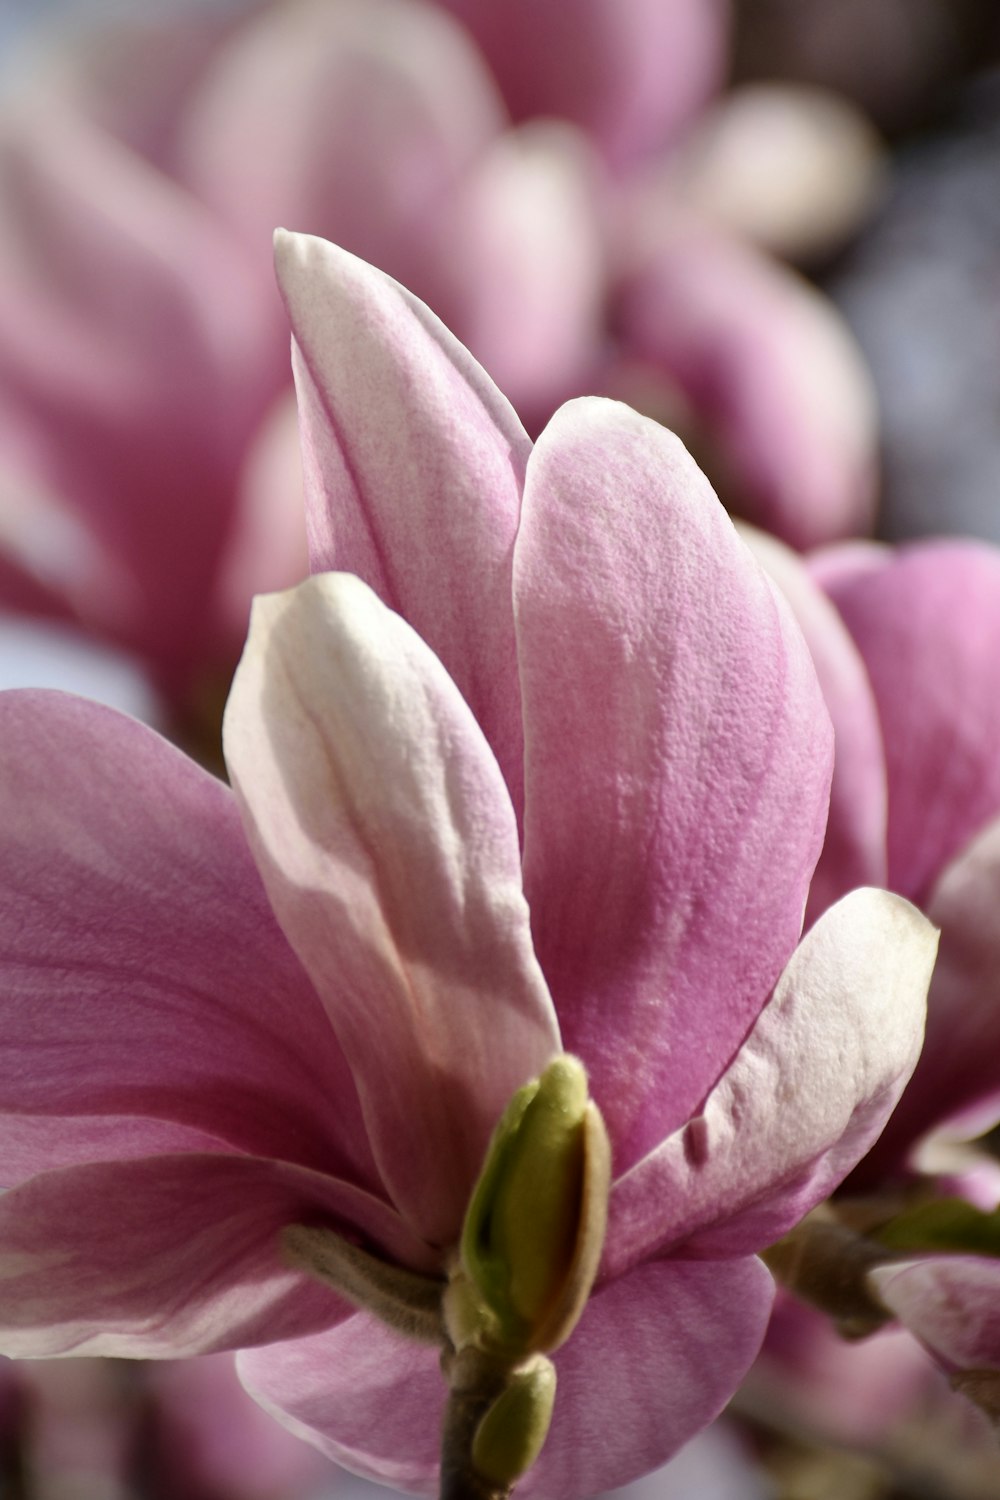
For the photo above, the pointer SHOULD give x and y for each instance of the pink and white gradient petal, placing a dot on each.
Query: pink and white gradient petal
(777, 389)
(427, 516)
(854, 851)
(654, 1358)
(354, 120)
(956, 1082)
(803, 1099)
(152, 1001)
(951, 1303)
(389, 849)
(653, 646)
(172, 1255)
(520, 266)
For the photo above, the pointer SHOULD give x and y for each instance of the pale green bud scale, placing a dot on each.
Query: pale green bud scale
(535, 1225)
(509, 1438)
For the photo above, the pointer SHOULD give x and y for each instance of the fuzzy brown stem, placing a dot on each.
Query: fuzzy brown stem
(475, 1381)
(826, 1264)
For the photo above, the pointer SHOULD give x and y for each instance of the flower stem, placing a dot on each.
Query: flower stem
(475, 1381)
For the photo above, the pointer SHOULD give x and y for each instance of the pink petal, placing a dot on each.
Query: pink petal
(655, 1357)
(51, 564)
(150, 1001)
(958, 1066)
(854, 853)
(520, 268)
(352, 120)
(267, 546)
(678, 757)
(834, 566)
(389, 849)
(209, 1437)
(170, 1255)
(778, 391)
(951, 1303)
(927, 624)
(129, 326)
(804, 1098)
(414, 464)
(853, 1392)
(631, 72)
(718, 1463)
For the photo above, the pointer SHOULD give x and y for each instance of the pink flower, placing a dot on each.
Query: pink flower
(924, 620)
(309, 1000)
(704, 329)
(910, 670)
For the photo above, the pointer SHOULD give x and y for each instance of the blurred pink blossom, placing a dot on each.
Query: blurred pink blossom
(909, 663)
(143, 355)
(925, 620)
(143, 350)
(759, 372)
(631, 73)
(855, 1393)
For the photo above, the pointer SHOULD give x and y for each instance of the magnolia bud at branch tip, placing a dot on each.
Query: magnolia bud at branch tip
(535, 1225)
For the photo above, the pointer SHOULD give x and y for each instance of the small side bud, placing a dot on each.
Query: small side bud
(535, 1226)
(510, 1436)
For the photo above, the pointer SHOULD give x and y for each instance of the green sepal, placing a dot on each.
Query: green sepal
(947, 1224)
(510, 1436)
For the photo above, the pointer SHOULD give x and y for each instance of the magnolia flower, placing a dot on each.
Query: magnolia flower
(909, 665)
(924, 620)
(308, 1000)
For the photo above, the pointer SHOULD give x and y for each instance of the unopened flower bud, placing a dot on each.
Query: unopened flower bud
(510, 1436)
(535, 1227)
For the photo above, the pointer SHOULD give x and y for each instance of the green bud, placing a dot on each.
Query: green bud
(510, 1436)
(535, 1226)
